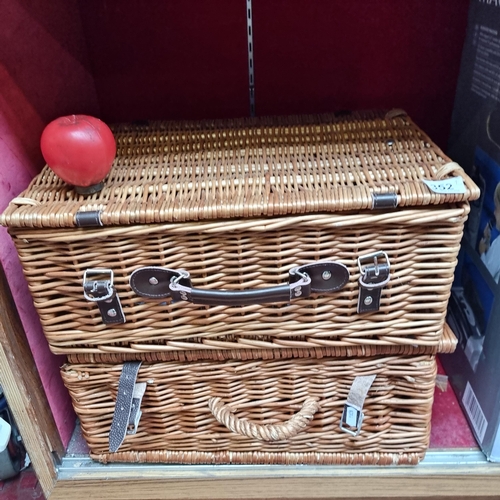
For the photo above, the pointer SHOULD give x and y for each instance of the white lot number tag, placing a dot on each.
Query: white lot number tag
(454, 185)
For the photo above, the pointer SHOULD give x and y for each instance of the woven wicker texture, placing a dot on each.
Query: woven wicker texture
(192, 196)
(422, 245)
(447, 344)
(177, 425)
(189, 171)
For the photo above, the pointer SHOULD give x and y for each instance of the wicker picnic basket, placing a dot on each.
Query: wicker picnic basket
(252, 238)
(260, 411)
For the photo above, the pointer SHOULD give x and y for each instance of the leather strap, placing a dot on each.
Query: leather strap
(88, 219)
(374, 276)
(111, 310)
(370, 288)
(127, 409)
(384, 200)
(98, 287)
(352, 416)
(317, 277)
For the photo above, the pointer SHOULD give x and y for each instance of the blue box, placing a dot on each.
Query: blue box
(474, 306)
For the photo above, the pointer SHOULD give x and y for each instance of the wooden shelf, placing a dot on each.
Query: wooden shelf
(455, 474)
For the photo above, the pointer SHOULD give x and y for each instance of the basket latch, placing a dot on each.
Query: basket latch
(352, 415)
(374, 269)
(128, 405)
(98, 287)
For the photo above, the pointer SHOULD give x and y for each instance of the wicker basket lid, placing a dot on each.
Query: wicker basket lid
(179, 171)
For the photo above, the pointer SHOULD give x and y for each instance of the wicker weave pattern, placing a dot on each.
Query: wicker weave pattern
(447, 344)
(422, 245)
(177, 426)
(237, 204)
(172, 172)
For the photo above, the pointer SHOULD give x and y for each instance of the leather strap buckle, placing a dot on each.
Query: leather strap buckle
(128, 405)
(374, 271)
(98, 287)
(352, 415)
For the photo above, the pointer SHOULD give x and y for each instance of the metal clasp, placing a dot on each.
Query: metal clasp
(374, 271)
(96, 290)
(98, 287)
(352, 415)
(351, 420)
(371, 262)
(296, 287)
(175, 286)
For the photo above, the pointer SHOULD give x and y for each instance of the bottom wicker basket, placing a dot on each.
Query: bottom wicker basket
(262, 411)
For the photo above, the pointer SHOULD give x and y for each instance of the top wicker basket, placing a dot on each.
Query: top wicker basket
(241, 205)
(191, 171)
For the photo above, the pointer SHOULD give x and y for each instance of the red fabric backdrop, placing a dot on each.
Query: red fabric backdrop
(333, 54)
(167, 59)
(43, 74)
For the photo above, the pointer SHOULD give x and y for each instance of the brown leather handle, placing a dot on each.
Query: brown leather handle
(279, 432)
(323, 276)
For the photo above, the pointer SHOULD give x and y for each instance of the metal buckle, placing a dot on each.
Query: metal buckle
(108, 283)
(353, 430)
(364, 262)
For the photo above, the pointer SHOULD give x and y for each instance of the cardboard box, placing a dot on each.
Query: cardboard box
(474, 310)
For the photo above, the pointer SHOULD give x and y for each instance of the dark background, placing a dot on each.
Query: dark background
(188, 59)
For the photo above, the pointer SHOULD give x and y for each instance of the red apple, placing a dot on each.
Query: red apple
(80, 149)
